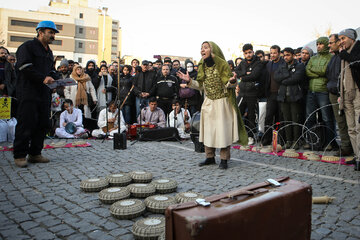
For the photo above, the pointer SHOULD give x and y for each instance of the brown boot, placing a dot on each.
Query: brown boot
(20, 162)
(37, 159)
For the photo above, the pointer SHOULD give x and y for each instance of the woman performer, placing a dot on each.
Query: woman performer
(220, 122)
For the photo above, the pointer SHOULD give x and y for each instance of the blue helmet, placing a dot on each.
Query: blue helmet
(47, 24)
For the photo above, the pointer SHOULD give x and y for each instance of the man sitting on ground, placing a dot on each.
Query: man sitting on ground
(181, 121)
(152, 114)
(111, 125)
(70, 122)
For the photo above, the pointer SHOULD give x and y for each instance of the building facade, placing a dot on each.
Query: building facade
(82, 34)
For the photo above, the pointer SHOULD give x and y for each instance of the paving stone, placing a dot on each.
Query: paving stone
(11, 233)
(98, 234)
(28, 225)
(119, 232)
(50, 194)
(65, 232)
(110, 225)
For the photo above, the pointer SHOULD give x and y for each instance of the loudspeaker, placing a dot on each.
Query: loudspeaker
(160, 134)
(120, 141)
(199, 146)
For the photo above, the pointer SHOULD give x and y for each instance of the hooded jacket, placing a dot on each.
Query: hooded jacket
(316, 68)
(290, 78)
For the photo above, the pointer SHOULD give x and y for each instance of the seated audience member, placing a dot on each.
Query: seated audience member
(152, 114)
(112, 122)
(71, 125)
(181, 121)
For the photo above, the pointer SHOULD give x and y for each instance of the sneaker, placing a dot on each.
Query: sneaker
(38, 159)
(251, 141)
(20, 162)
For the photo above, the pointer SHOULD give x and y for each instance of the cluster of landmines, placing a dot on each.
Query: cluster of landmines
(116, 189)
(309, 155)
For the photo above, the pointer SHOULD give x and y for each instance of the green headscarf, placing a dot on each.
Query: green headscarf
(225, 74)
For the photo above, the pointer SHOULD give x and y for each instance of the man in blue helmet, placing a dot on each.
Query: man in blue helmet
(34, 69)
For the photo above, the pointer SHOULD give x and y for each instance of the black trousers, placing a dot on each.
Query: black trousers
(33, 123)
(291, 112)
(249, 103)
(165, 105)
(273, 116)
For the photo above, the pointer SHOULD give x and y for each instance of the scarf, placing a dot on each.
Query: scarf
(81, 94)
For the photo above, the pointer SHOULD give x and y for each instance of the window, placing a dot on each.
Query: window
(30, 24)
(24, 39)
(80, 45)
(79, 60)
(81, 15)
(81, 30)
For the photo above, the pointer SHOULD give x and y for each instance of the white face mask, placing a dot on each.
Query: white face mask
(189, 68)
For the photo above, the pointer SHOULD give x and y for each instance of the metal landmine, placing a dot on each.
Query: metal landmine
(159, 203)
(162, 236)
(127, 209)
(165, 185)
(149, 228)
(141, 190)
(111, 195)
(94, 184)
(141, 176)
(187, 197)
(119, 179)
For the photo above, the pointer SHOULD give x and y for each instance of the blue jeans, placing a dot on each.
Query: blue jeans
(141, 103)
(126, 111)
(314, 101)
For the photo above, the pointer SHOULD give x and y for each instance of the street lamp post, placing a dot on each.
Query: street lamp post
(103, 40)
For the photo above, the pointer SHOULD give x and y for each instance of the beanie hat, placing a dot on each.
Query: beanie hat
(350, 33)
(64, 62)
(311, 53)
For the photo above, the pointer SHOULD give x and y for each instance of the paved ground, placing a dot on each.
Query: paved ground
(44, 201)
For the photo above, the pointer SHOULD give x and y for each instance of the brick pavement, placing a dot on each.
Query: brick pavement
(44, 201)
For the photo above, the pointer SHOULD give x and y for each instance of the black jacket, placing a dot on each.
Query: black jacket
(290, 78)
(143, 82)
(249, 84)
(165, 87)
(352, 57)
(333, 70)
(270, 71)
(9, 80)
(94, 74)
(125, 85)
(34, 63)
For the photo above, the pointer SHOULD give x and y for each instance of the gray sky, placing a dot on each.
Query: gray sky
(179, 27)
